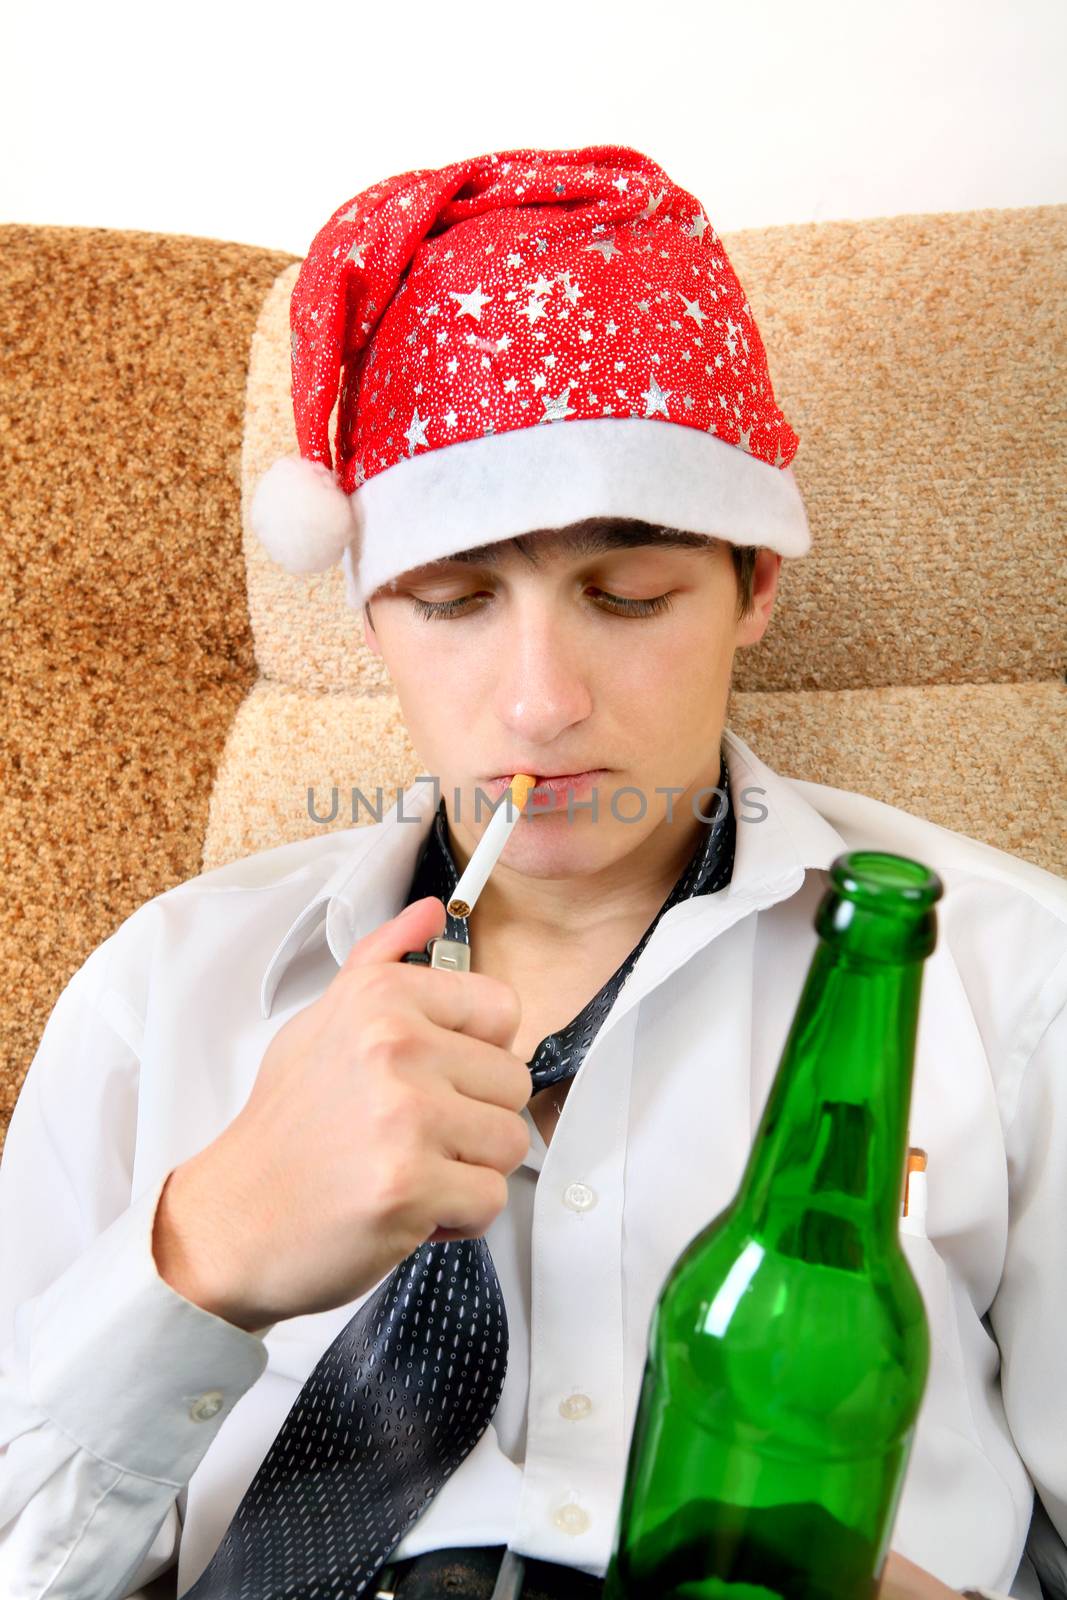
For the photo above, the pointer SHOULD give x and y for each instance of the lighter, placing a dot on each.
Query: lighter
(452, 954)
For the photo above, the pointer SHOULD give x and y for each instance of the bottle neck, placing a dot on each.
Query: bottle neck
(825, 1178)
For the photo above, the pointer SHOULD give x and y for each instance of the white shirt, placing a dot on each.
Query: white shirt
(131, 1419)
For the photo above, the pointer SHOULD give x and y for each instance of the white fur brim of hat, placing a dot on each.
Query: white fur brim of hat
(535, 478)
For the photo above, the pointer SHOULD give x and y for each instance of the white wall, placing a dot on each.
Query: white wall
(237, 121)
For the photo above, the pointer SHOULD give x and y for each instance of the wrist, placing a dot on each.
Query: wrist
(187, 1246)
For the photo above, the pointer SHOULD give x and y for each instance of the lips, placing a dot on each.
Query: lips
(558, 785)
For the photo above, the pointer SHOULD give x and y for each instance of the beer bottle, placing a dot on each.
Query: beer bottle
(789, 1348)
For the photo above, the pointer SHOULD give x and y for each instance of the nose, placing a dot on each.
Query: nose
(542, 674)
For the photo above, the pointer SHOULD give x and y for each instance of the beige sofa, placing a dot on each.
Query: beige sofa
(172, 694)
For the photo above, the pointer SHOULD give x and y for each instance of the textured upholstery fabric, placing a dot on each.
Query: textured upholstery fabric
(171, 695)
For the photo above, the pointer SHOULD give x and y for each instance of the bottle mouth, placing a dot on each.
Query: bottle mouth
(880, 907)
(881, 881)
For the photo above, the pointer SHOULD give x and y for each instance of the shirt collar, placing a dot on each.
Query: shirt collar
(780, 836)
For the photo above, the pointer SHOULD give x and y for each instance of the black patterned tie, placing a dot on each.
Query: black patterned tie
(409, 1386)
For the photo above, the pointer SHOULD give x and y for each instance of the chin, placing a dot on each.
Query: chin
(552, 847)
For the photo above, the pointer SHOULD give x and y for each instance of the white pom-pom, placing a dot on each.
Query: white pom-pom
(301, 515)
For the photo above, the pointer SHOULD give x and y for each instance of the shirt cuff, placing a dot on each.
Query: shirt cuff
(126, 1366)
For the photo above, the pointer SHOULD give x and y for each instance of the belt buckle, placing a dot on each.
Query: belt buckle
(508, 1586)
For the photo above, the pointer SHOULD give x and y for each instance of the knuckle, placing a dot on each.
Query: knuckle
(523, 1084)
(520, 1142)
(491, 1196)
(503, 997)
(374, 984)
(403, 1117)
(496, 1192)
(387, 1039)
(509, 1002)
(398, 1184)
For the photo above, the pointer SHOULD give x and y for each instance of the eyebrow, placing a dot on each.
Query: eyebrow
(579, 540)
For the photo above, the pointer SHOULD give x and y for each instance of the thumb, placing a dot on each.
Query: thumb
(408, 930)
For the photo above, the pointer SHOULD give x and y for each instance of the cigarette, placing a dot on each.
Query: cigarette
(487, 851)
(915, 1191)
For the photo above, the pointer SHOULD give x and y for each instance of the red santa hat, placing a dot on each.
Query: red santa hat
(519, 341)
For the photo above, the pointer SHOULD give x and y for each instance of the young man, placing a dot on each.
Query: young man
(331, 1274)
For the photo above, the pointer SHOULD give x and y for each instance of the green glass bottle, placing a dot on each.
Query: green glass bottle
(789, 1349)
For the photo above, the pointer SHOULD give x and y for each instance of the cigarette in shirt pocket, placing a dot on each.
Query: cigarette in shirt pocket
(913, 1216)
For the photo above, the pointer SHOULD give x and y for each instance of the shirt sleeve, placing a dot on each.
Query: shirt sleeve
(1029, 1312)
(112, 1385)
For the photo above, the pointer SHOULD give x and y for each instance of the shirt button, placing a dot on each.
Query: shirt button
(574, 1406)
(206, 1406)
(579, 1196)
(571, 1518)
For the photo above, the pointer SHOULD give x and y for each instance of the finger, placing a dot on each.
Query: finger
(482, 1135)
(409, 930)
(468, 1198)
(470, 1003)
(484, 1007)
(484, 1072)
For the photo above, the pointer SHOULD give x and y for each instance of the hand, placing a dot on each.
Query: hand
(385, 1114)
(903, 1580)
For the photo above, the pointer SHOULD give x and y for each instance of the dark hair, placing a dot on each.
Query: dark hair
(744, 559)
(620, 533)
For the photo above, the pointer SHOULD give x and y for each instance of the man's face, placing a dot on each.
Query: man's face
(570, 665)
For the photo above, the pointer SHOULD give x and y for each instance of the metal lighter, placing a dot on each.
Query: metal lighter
(452, 954)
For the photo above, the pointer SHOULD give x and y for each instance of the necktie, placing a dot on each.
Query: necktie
(410, 1384)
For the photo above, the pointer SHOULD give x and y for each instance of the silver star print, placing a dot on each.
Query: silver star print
(656, 398)
(471, 303)
(543, 286)
(696, 226)
(557, 409)
(653, 205)
(355, 255)
(605, 246)
(416, 433)
(351, 214)
(692, 309)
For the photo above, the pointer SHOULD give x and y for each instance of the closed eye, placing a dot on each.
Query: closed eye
(607, 602)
